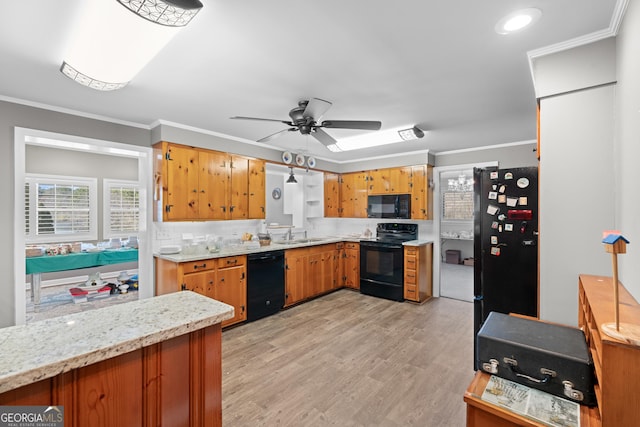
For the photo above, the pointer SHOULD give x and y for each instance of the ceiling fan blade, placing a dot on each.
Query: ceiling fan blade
(316, 108)
(261, 119)
(323, 137)
(351, 124)
(275, 135)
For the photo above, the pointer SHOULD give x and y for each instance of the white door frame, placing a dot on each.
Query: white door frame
(24, 137)
(437, 208)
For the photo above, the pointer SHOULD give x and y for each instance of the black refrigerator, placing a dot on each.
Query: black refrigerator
(505, 242)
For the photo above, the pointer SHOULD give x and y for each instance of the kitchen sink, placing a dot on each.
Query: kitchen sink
(299, 241)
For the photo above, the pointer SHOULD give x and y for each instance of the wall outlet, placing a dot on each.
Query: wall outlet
(163, 235)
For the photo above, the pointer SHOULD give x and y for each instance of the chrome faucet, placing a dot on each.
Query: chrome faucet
(288, 235)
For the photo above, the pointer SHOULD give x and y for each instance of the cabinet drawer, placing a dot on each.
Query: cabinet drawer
(352, 245)
(231, 261)
(410, 250)
(410, 262)
(410, 277)
(202, 265)
(410, 292)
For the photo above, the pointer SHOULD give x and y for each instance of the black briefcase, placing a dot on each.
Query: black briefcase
(548, 357)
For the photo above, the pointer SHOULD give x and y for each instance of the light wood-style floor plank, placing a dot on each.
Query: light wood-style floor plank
(347, 359)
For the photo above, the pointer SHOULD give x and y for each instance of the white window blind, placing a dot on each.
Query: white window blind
(60, 209)
(121, 208)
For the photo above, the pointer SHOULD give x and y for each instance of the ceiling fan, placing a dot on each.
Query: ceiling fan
(305, 118)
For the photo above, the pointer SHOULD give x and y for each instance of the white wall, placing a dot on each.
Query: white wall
(576, 190)
(628, 145)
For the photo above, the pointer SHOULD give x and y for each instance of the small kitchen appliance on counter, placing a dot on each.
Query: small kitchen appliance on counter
(382, 260)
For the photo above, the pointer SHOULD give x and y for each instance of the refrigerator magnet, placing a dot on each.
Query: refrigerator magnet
(495, 251)
(512, 201)
(500, 228)
(502, 198)
(508, 227)
(502, 188)
(494, 225)
(508, 175)
(522, 182)
(522, 201)
(494, 187)
(492, 210)
(493, 195)
(493, 175)
(494, 240)
(502, 217)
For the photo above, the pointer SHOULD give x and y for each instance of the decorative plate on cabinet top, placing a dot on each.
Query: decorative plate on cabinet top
(287, 157)
(311, 162)
(299, 160)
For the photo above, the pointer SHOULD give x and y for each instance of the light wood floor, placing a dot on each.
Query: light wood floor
(347, 359)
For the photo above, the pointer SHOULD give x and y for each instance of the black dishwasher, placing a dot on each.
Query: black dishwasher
(265, 284)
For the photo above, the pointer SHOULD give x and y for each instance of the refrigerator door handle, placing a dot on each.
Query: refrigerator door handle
(536, 233)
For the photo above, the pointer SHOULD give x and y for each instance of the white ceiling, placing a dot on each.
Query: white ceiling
(436, 64)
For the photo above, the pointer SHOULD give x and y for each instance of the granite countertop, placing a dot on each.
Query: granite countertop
(250, 249)
(418, 242)
(44, 349)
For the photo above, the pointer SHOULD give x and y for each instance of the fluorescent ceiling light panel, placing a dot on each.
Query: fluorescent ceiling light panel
(110, 44)
(518, 20)
(374, 139)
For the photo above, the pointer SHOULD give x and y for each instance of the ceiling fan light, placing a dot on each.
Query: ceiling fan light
(410, 134)
(172, 13)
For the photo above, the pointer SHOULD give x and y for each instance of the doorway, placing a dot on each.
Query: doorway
(453, 252)
(114, 152)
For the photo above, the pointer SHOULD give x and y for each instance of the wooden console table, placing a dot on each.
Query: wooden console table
(149, 362)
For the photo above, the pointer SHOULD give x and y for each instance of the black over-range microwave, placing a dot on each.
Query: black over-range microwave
(389, 206)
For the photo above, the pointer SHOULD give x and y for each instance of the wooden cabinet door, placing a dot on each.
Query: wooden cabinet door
(313, 282)
(257, 189)
(331, 195)
(239, 187)
(379, 181)
(352, 265)
(400, 180)
(213, 185)
(182, 183)
(200, 282)
(354, 195)
(295, 275)
(231, 288)
(421, 193)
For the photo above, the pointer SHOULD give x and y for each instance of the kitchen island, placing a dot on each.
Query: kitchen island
(149, 362)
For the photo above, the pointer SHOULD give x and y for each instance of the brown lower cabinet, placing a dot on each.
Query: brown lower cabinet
(223, 279)
(418, 280)
(176, 382)
(311, 271)
(352, 265)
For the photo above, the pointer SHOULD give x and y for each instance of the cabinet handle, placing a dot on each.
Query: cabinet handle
(222, 279)
(195, 190)
(242, 307)
(242, 278)
(195, 267)
(167, 208)
(183, 287)
(231, 208)
(232, 261)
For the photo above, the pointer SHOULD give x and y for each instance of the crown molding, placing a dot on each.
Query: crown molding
(486, 147)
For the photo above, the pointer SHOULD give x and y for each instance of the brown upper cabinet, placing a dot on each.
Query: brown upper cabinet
(352, 189)
(198, 184)
(389, 181)
(353, 195)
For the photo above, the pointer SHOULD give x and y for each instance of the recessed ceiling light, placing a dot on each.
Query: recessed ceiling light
(518, 20)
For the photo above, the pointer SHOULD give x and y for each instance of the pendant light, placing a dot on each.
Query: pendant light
(292, 179)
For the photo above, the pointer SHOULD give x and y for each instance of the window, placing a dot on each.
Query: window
(60, 209)
(457, 205)
(121, 208)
